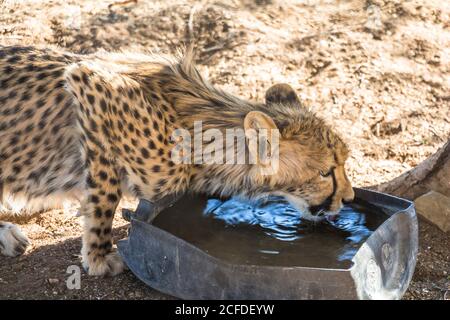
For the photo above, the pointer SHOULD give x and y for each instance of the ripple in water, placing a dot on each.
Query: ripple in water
(278, 219)
(270, 231)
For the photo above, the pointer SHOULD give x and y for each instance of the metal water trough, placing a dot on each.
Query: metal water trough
(382, 268)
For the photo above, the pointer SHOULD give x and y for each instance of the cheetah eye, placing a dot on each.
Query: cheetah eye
(326, 174)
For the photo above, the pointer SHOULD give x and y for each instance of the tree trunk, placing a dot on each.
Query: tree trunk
(431, 174)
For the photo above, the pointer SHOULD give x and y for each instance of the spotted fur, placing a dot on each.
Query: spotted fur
(93, 127)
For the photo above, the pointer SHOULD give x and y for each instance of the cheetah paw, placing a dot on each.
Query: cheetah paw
(109, 265)
(12, 241)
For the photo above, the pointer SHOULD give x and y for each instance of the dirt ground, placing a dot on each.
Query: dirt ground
(378, 71)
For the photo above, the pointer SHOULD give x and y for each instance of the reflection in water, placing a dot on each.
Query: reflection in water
(281, 221)
(269, 232)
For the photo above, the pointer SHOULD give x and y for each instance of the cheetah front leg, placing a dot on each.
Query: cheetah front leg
(98, 210)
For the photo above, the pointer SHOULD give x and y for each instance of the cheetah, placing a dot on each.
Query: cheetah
(92, 128)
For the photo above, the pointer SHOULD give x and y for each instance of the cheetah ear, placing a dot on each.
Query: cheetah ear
(282, 93)
(257, 120)
(262, 136)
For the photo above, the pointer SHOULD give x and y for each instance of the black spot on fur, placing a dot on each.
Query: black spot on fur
(42, 75)
(113, 181)
(97, 231)
(57, 73)
(105, 246)
(94, 199)
(76, 78)
(103, 105)
(145, 153)
(161, 182)
(13, 59)
(98, 212)
(103, 175)
(40, 103)
(108, 213)
(23, 79)
(98, 87)
(112, 197)
(85, 79)
(104, 161)
(25, 96)
(59, 98)
(91, 98)
(126, 107)
(151, 145)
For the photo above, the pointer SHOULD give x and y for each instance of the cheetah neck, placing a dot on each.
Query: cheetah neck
(201, 107)
(222, 179)
(197, 101)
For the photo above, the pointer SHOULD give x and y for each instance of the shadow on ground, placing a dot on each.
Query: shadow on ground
(42, 274)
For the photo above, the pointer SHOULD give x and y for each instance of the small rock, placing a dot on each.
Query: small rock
(435, 207)
(53, 281)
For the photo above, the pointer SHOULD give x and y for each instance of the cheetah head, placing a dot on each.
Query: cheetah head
(310, 171)
(311, 174)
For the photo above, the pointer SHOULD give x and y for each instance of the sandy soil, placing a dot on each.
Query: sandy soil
(376, 70)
